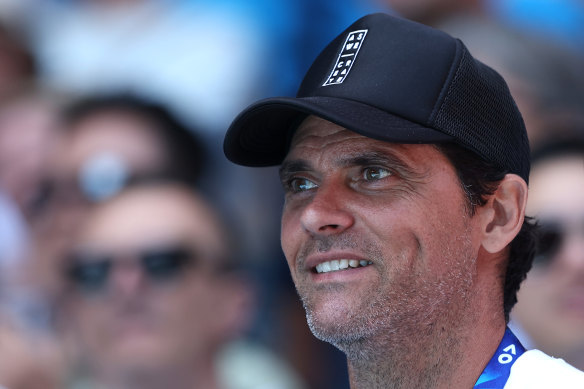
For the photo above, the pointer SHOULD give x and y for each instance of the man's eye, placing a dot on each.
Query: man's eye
(300, 185)
(375, 173)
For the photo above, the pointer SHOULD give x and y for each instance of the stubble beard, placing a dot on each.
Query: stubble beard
(411, 317)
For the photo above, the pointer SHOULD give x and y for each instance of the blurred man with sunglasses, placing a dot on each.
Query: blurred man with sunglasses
(154, 296)
(549, 314)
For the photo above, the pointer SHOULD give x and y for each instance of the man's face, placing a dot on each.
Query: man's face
(171, 314)
(392, 216)
(551, 300)
(101, 150)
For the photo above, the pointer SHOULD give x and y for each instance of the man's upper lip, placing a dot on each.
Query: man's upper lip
(318, 258)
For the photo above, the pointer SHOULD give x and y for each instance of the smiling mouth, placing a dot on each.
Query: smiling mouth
(341, 264)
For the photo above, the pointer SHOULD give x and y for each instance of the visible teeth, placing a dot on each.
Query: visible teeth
(340, 264)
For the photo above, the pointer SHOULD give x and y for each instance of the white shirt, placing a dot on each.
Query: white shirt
(535, 369)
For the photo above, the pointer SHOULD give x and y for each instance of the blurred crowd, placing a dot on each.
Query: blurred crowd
(133, 255)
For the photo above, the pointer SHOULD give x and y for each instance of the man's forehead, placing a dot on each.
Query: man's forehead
(320, 131)
(316, 134)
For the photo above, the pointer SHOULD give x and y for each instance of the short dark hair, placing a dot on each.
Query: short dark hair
(184, 146)
(479, 179)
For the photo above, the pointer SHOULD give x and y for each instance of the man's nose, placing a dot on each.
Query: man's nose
(127, 279)
(327, 212)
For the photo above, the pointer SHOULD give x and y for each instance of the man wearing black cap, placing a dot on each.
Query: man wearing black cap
(405, 164)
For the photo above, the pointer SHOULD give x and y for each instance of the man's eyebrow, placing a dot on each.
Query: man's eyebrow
(290, 167)
(374, 158)
(366, 158)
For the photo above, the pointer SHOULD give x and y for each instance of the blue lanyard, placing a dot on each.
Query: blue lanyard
(497, 372)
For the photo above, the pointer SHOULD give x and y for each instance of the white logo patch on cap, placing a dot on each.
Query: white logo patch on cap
(347, 57)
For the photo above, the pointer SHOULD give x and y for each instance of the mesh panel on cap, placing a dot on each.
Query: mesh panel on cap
(479, 111)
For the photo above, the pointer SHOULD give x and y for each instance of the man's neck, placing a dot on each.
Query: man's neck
(435, 359)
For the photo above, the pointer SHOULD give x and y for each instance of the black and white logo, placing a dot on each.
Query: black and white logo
(347, 57)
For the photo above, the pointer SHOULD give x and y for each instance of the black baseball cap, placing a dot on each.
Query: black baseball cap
(395, 80)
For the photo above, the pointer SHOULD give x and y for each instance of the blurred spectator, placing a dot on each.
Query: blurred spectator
(103, 143)
(154, 295)
(549, 314)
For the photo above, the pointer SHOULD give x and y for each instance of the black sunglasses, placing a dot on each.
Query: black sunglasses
(551, 237)
(90, 271)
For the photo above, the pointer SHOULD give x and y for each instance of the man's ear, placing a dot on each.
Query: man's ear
(504, 213)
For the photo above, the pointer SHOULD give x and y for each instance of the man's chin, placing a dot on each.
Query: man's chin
(335, 329)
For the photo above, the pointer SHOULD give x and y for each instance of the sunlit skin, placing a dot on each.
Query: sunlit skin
(551, 300)
(401, 208)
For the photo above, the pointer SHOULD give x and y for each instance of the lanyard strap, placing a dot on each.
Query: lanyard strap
(497, 372)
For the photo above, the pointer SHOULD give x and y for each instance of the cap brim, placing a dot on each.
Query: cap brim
(259, 135)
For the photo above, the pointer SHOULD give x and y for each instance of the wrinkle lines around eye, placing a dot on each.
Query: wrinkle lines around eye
(406, 179)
